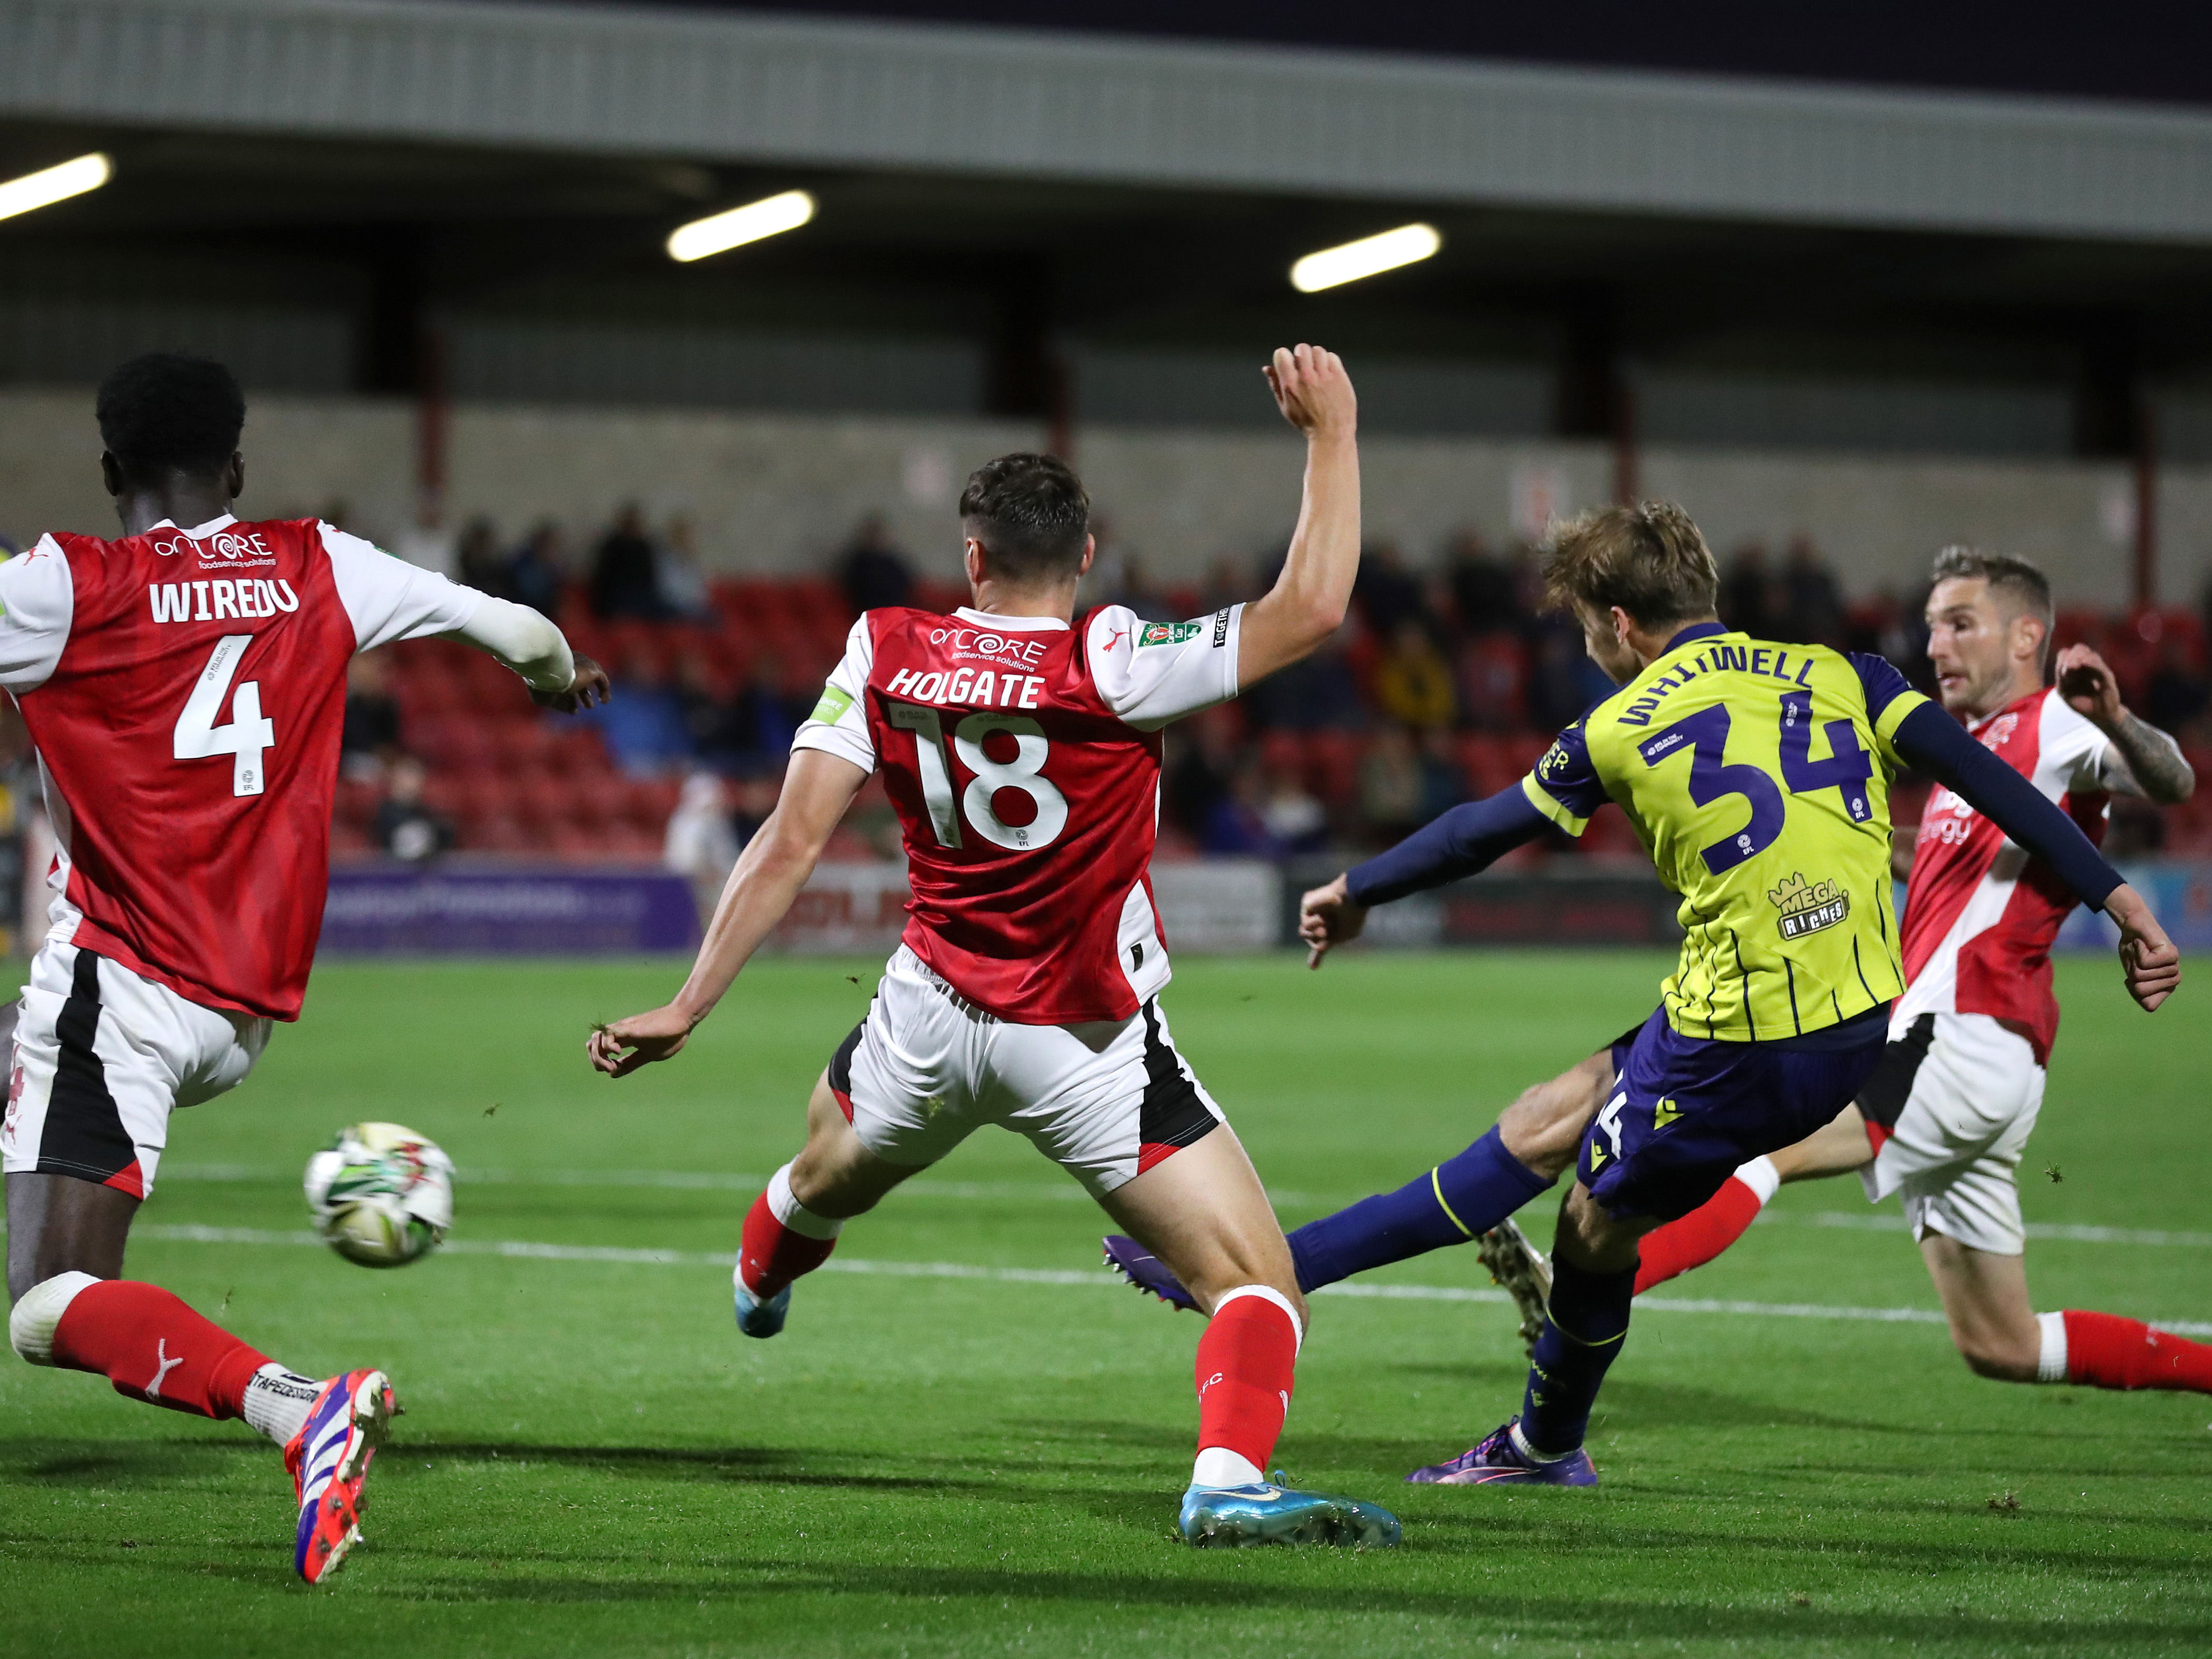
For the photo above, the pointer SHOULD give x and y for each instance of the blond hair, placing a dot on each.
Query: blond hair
(1649, 559)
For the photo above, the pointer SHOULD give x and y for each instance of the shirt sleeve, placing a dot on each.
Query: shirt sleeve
(1153, 673)
(839, 724)
(1565, 787)
(1890, 701)
(391, 599)
(1459, 843)
(37, 600)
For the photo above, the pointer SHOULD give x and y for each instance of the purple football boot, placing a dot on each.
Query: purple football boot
(1146, 1272)
(1504, 1460)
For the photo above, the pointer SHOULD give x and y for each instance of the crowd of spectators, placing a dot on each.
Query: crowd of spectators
(1443, 685)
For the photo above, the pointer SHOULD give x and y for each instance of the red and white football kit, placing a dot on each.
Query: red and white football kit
(1962, 1081)
(185, 689)
(1023, 757)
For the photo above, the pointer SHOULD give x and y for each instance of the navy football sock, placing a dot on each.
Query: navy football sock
(1464, 1196)
(1588, 1318)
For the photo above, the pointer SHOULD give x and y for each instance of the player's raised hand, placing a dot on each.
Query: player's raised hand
(2088, 685)
(1327, 917)
(590, 686)
(620, 1048)
(2148, 960)
(1313, 391)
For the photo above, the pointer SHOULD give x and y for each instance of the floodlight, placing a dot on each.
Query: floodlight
(56, 184)
(1364, 257)
(719, 232)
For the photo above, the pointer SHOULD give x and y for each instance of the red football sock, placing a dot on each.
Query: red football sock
(1247, 1362)
(1700, 1235)
(151, 1346)
(2105, 1351)
(773, 1255)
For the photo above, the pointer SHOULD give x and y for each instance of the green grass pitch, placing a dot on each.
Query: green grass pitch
(593, 1461)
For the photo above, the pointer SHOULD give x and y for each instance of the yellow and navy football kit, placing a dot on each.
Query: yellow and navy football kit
(1758, 777)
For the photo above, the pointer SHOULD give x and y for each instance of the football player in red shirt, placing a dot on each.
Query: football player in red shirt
(1020, 744)
(186, 688)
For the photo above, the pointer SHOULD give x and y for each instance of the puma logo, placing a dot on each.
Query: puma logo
(1116, 638)
(167, 1365)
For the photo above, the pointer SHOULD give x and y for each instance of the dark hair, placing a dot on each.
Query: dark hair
(2026, 583)
(1649, 559)
(1031, 515)
(169, 412)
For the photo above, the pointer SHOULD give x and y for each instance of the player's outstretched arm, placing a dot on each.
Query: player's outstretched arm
(1931, 740)
(1309, 599)
(1456, 843)
(534, 649)
(774, 865)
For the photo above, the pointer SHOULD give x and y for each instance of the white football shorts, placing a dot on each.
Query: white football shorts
(1104, 1100)
(1958, 1094)
(101, 1059)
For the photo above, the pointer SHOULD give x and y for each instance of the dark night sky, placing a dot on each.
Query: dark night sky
(2154, 51)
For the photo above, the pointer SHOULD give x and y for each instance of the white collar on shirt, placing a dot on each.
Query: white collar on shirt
(1008, 625)
(199, 532)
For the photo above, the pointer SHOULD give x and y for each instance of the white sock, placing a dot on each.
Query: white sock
(1218, 1467)
(1762, 1178)
(276, 1401)
(785, 1207)
(2050, 1363)
(1521, 1444)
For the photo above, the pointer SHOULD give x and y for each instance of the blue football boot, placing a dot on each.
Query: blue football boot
(1232, 1517)
(1146, 1272)
(1502, 1460)
(754, 1317)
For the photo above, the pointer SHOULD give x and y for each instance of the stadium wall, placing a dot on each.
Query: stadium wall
(779, 492)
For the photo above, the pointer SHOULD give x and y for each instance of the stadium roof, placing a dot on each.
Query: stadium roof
(1188, 114)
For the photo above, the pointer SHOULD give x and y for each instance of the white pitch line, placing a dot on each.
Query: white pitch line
(1097, 1279)
(1873, 1221)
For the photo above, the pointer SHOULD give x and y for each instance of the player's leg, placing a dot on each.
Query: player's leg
(1115, 1105)
(896, 1096)
(1835, 1149)
(100, 1055)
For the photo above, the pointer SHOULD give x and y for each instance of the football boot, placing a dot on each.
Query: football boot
(759, 1316)
(328, 1461)
(1146, 1272)
(1264, 1512)
(1520, 1267)
(1504, 1460)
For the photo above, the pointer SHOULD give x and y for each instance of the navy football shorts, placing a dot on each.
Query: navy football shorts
(1683, 1112)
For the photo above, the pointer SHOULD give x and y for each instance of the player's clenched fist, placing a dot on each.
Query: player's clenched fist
(589, 686)
(1313, 391)
(1328, 916)
(2148, 960)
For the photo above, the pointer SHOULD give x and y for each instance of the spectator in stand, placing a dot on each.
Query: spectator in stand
(1484, 589)
(1414, 680)
(1226, 584)
(538, 570)
(701, 843)
(1563, 681)
(873, 570)
(643, 726)
(756, 798)
(482, 566)
(1443, 786)
(2177, 696)
(1204, 756)
(682, 577)
(1493, 672)
(1295, 821)
(1816, 604)
(1238, 825)
(1391, 788)
(1319, 694)
(404, 827)
(1388, 594)
(1746, 596)
(625, 581)
(371, 737)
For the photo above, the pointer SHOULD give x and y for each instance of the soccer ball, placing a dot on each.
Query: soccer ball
(381, 1194)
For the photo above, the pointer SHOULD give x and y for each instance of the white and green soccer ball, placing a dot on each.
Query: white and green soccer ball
(381, 1194)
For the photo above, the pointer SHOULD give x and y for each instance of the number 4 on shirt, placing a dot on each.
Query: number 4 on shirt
(248, 735)
(1713, 777)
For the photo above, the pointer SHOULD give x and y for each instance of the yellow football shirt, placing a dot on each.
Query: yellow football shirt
(1757, 776)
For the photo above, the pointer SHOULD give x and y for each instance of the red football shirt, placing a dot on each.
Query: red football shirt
(187, 692)
(1979, 914)
(1023, 755)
